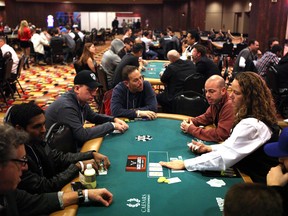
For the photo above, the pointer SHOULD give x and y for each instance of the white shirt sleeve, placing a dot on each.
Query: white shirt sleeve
(242, 62)
(248, 135)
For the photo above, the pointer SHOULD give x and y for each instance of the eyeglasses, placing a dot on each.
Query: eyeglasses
(23, 162)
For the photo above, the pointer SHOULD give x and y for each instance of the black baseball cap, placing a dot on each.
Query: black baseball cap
(88, 78)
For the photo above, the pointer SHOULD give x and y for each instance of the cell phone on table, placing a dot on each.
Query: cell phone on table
(230, 173)
(77, 185)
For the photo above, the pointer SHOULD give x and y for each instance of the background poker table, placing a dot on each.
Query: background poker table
(193, 196)
(151, 74)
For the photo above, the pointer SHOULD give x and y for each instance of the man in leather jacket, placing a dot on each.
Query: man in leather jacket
(48, 169)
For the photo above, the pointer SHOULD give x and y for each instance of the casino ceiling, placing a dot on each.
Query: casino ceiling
(97, 1)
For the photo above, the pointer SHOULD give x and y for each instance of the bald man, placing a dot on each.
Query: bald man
(220, 113)
(173, 78)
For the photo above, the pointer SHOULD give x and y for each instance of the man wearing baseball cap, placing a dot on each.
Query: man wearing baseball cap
(277, 177)
(73, 109)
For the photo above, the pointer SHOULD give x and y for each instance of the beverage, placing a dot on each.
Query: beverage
(90, 177)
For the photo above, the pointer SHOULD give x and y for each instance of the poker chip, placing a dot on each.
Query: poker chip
(163, 180)
(143, 138)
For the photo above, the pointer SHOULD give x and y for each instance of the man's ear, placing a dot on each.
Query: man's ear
(126, 83)
(223, 91)
(76, 88)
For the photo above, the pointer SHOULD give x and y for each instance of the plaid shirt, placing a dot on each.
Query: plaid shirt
(266, 60)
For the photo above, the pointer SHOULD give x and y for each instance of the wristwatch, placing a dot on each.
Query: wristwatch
(80, 196)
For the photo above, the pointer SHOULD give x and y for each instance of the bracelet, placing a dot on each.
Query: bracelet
(82, 166)
(86, 196)
(138, 113)
(80, 196)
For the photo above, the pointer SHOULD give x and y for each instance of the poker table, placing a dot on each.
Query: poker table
(151, 73)
(137, 193)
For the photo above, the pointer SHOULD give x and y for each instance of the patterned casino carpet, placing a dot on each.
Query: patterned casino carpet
(43, 84)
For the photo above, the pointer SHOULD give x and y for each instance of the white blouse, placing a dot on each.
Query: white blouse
(247, 136)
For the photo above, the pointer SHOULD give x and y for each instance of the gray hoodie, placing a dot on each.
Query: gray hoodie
(111, 59)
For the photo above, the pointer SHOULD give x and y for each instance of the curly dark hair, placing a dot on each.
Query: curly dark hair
(257, 99)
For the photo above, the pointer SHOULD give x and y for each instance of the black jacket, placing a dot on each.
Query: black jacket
(20, 202)
(282, 69)
(48, 169)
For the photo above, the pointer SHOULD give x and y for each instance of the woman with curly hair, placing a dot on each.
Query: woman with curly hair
(24, 35)
(87, 61)
(255, 120)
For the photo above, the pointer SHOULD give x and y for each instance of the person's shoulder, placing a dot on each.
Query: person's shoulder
(147, 85)
(120, 87)
(253, 122)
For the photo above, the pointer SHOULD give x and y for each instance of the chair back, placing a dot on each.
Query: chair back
(227, 49)
(102, 77)
(144, 55)
(77, 67)
(8, 68)
(7, 116)
(79, 47)
(60, 137)
(189, 103)
(20, 66)
(56, 47)
(169, 45)
(195, 82)
(272, 79)
(106, 102)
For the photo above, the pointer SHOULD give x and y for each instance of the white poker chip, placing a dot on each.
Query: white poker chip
(143, 138)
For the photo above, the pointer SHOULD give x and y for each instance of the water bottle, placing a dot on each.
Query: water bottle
(90, 177)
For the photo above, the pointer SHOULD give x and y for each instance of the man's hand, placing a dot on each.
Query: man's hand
(176, 164)
(185, 125)
(199, 148)
(120, 125)
(146, 113)
(276, 177)
(100, 195)
(99, 158)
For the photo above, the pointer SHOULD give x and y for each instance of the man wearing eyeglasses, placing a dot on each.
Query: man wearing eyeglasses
(18, 202)
(49, 169)
(73, 109)
(133, 97)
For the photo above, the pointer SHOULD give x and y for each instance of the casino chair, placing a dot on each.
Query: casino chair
(77, 67)
(102, 79)
(169, 45)
(56, 47)
(189, 103)
(78, 48)
(34, 54)
(60, 137)
(195, 82)
(15, 80)
(5, 74)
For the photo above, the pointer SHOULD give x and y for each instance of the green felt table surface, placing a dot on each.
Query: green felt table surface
(153, 69)
(144, 195)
